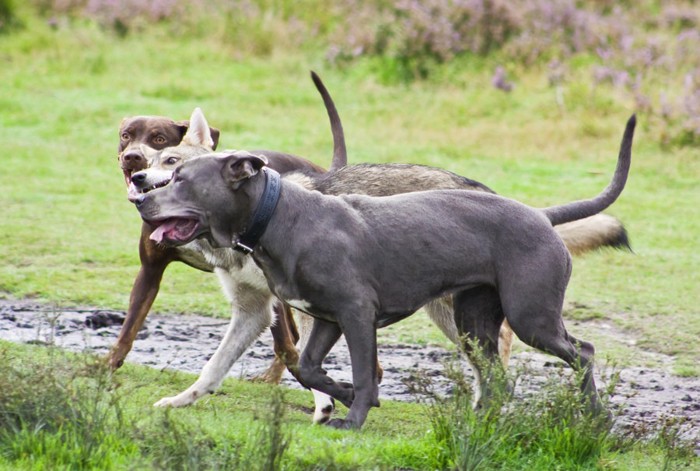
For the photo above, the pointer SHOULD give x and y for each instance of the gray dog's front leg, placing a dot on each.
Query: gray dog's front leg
(311, 374)
(362, 343)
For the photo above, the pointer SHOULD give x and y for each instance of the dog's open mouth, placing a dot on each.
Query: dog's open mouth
(174, 230)
(134, 192)
(127, 175)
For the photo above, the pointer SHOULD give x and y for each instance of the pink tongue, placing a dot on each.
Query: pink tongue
(160, 231)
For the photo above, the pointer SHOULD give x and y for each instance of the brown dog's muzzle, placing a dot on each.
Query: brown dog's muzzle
(131, 162)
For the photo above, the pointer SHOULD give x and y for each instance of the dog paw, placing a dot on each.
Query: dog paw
(323, 414)
(268, 376)
(272, 375)
(180, 400)
(341, 424)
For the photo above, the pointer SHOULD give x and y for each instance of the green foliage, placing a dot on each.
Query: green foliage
(8, 16)
(550, 429)
(59, 410)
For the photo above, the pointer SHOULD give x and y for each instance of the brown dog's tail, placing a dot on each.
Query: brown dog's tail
(585, 208)
(340, 154)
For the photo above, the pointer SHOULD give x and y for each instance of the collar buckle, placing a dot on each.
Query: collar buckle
(240, 247)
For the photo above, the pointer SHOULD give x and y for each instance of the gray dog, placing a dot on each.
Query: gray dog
(357, 263)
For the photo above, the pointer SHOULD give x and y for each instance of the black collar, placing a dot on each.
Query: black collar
(263, 213)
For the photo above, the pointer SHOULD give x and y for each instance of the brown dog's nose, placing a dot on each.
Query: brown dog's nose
(133, 161)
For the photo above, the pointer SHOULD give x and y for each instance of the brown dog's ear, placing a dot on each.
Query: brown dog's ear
(241, 165)
(214, 136)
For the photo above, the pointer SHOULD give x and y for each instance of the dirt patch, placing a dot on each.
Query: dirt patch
(644, 397)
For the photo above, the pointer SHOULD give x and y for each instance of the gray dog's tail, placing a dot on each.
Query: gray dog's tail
(585, 208)
(340, 154)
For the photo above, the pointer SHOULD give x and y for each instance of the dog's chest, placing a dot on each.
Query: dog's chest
(193, 256)
(241, 268)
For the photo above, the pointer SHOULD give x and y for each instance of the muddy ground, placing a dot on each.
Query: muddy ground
(644, 397)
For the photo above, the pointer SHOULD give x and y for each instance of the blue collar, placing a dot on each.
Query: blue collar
(247, 241)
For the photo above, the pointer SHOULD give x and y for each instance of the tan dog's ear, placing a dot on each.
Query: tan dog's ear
(241, 165)
(215, 133)
(198, 133)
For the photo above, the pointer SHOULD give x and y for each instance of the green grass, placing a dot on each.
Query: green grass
(68, 235)
(63, 410)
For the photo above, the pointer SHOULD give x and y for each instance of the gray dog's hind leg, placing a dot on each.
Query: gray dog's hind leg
(478, 316)
(545, 331)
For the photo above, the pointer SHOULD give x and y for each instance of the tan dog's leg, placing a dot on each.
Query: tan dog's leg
(505, 340)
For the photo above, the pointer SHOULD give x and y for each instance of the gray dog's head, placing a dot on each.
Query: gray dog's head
(212, 196)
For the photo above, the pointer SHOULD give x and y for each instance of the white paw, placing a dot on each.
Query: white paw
(323, 413)
(181, 400)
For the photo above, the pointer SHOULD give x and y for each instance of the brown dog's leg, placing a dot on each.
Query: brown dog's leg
(380, 372)
(285, 336)
(143, 293)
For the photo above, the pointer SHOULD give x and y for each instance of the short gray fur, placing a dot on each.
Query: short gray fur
(359, 263)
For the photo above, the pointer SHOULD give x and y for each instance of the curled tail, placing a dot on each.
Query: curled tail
(585, 208)
(340, 154)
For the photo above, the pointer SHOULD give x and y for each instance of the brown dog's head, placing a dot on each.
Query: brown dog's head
(139, 134)
(198, 140)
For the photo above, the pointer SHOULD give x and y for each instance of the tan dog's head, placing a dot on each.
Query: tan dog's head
(198, 140)
(139, 136)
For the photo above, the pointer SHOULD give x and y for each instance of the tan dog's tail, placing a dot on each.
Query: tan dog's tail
(592, 233)
(582, 209)
(340, 154)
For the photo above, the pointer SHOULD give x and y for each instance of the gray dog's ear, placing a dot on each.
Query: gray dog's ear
(241, 165)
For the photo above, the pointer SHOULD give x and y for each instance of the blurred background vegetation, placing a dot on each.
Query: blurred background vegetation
(646, 49)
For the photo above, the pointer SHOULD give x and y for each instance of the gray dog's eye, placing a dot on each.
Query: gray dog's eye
(172, 160)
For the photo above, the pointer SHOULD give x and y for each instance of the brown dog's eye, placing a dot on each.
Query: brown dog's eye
(159, 140)
(125, 136)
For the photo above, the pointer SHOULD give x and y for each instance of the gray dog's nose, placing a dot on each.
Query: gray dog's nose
(139, 201)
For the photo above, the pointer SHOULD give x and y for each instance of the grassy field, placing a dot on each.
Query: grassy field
(68, 235)
(62, 411)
